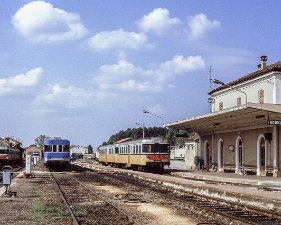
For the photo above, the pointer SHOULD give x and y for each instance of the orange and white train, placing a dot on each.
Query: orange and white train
(140, 154)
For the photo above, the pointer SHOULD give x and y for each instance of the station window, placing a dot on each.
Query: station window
(261, 96)
(221, 106)
(239, 101)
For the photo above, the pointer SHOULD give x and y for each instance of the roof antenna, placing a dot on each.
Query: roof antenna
(210, 75)
(210, 79)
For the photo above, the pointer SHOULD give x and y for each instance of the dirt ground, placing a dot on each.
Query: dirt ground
(36, 202)
(151, 211)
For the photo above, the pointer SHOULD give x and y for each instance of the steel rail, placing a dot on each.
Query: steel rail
(130, 219)
(242, 211)
(74, 219)
(247, 212)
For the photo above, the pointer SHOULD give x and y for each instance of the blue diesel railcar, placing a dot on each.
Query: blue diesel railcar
(56, 153)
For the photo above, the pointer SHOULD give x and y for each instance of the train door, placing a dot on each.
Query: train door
(129, 156)
(116, 153)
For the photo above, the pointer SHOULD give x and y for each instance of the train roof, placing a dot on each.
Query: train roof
(150, 140)
(57, 142)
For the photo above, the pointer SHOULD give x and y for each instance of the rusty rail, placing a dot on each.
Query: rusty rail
(74, 219)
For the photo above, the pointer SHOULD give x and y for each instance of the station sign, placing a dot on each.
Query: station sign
(274, 122)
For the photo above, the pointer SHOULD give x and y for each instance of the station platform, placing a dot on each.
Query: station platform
(178, 169)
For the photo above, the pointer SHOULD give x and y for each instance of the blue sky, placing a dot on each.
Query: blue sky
(86, 70)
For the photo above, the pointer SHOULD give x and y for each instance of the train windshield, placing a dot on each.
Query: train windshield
(65, 148)
(156, 148)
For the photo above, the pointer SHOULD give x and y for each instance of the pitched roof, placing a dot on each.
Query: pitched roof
(276, 67)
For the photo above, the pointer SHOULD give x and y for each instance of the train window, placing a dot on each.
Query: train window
(60, 148)
(54, 148)
(164, 148)
(116, 150)
(65, 148)
(137, 150)
(48, 148)
(146, 148)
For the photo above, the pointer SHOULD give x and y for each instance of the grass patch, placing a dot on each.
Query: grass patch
(34, 194)
(54, 211)
(80, 212)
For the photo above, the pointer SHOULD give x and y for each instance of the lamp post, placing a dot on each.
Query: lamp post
(142, 129)
(145, 111)
(216, 81)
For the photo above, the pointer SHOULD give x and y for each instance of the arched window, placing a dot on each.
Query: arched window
(207, 152)
(261, 155)
(220, 153)
(240, 151)
(262, 149)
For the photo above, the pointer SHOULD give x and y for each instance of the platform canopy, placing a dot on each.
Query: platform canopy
(252, 114)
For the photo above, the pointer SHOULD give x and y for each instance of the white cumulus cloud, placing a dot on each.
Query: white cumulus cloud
(200, 24)
(117, 39)
(125, 77)
(57, 97)
(42, 22)
(20, 81)
(158, 21)
(180, 64)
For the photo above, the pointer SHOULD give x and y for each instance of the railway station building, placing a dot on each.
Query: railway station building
(243, 127)
(33, 149)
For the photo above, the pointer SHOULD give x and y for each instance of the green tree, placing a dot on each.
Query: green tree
(171, 136)
(39, 141)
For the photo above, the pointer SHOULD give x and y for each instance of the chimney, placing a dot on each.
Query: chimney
(263, 61)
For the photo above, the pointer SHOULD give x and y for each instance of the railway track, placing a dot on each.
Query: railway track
(85, 206)
(220, 212)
